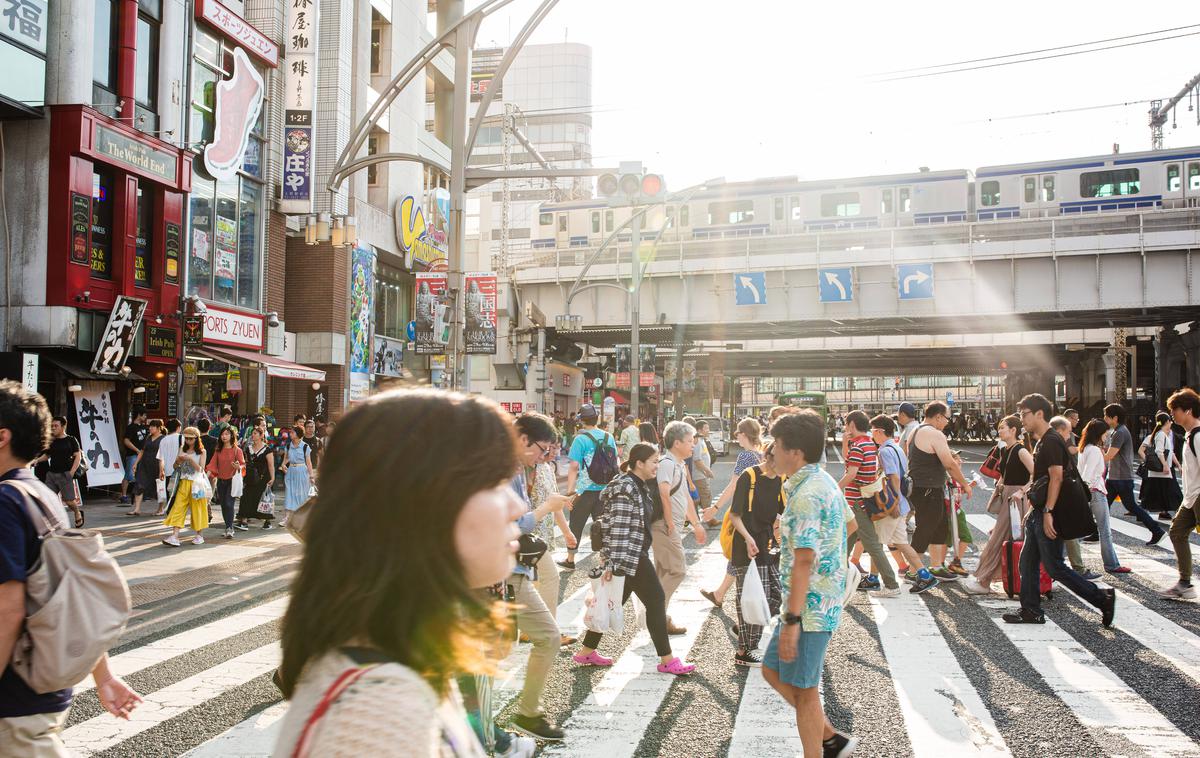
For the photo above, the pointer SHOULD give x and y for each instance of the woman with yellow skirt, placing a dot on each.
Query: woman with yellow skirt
(193, 491)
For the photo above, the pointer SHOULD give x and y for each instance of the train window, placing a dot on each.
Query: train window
(562, 222)
(1109, 183)
(1047, 188)
(1174, 180)
(1193, 172)
(1031, 189)
(904, 198)
(885, 201)
(840, 204)
(595, 222)
(608, 221)
(989, 194)
(779, 209)
(545, 219)
(683, 215)
(796, 212)
(731, 212)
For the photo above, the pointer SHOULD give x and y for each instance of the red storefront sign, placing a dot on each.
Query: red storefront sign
(239, 30)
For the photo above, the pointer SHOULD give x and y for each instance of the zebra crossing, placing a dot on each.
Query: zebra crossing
(931, 674)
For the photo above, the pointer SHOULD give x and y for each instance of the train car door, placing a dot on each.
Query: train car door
(903, 215)
(1039, 195)
(562, 237)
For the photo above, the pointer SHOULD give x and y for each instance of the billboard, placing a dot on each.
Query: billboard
(431, 291)
(479, 336)
(362, 308)
(624, 363)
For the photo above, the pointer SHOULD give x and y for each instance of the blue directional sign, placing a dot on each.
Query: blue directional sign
(915, 281)
(836, 285)
(750, 288)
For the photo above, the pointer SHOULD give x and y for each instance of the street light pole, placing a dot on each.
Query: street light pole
(635, 353)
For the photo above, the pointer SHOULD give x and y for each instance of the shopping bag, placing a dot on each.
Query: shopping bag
(161, 485)
(236, 485)
(604, 613)
(755, 610)
(266, 505)
(853, 577)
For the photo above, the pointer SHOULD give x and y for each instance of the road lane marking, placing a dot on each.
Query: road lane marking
(253, 738)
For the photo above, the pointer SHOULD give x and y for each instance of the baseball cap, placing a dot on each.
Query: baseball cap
(907, 408)
(587, 410)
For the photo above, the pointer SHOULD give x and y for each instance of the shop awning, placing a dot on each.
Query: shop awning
(275, 366)
(78, 365)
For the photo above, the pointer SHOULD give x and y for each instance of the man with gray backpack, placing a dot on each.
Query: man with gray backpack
(47, 649)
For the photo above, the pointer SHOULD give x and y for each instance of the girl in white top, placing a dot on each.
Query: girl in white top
(1159, 491)
(1091, 470)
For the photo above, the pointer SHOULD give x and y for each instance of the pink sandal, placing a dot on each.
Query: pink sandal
(592, 659)
(676, 667)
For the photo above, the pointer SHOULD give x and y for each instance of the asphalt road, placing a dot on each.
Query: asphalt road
(935, 674)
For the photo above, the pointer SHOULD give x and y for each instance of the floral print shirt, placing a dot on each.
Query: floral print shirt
(545, 484)
(815, 518)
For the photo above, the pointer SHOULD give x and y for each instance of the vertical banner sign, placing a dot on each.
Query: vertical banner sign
(173, 394)
(98, 434)
(670, 368)
(29, 371)
(362, 307)
(624, 361)
(318, 402)
(171, 251)
(81, 224)
(646, 378)
(480, 334)
(119, 334)
(299, 96)
(689, 376)
(431, 285)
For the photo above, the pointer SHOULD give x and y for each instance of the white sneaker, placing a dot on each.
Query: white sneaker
(1180, 591)
(521, 747)
(171, 541)
(885, 592)
(198, 540)
(973, 587)
(229, 534)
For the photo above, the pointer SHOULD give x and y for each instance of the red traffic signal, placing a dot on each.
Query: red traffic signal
(1003, 365)
(652, 185)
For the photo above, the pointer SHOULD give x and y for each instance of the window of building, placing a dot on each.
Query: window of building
(885, 202)
(731, 212)
(1174, 180)
(779, 209)
(989, 193)
(609, 221)
(393, 301)
(102, 222)
(373, 169)
(104, 51)
(840, 204)
(214, 62)
(1193, 172)
(595, 222)
(376, 49)
(1123, 181)
(1047, 188)
(905, 199)
(683, 215)
(143, 251)
(226, 255)
(145, 79)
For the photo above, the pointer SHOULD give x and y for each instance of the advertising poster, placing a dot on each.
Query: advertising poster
(299, 100)
(646, 365)
(431, 287)
(689, 376)
(389, 357)
(624, 363)
(480, 334)
(670, 367)
(98, 434)
(362, 307)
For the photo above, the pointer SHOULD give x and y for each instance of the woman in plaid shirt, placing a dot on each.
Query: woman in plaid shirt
(624, 524)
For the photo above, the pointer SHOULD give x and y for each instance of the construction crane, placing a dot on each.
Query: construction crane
(1159, 111)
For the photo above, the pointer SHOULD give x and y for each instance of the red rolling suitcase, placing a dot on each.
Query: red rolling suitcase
(1010, 560)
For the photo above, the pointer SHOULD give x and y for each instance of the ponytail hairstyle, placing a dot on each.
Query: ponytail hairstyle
(1162, 420)
(753, 431)
(639, 453)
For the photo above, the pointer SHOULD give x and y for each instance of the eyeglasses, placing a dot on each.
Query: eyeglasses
(545, 450)
(1025, 412)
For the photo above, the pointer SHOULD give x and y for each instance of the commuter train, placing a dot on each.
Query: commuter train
(786, 205)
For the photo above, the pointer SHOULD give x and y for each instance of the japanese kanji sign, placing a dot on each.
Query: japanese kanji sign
(122, 329)
(480, 333)
(98, 434)
(24, 22)
(299, 101)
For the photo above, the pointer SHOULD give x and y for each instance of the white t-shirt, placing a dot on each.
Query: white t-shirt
(168, 451)
(1164, 442)
(672, 472)
(700, 455)
(907, 433)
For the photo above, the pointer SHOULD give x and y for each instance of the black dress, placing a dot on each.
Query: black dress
(258, 474)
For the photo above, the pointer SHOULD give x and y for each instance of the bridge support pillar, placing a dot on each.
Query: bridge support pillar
(1110, 378)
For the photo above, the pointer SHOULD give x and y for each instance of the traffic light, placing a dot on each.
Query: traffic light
(632, 185)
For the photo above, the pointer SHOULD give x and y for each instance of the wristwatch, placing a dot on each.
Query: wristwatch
(790, 618)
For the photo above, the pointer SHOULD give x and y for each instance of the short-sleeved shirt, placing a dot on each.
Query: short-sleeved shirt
(907, 432)
(671, 472)
(701, 454)
(746, 459)
(583, 449)
(168, 451)
(137, 434)
(863, 453)
(19, 552)
(815, 519)
(62, 453)
(318, 449)
(893, 460)
(1163, 443)
(630, 436)
(758, 517)
(1051, 451)
(1121, 467)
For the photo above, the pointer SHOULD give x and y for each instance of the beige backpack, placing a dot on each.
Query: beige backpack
(76, 600)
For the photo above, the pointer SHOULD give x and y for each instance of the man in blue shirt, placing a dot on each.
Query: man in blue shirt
(583, 449)
(30, 723)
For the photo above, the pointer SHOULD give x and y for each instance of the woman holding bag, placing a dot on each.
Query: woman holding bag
(1016, 467)
(625, 529)
(1158, 452)
(757, 505)
(1091, 469)
(192, 491)
(226, 463)
(260, 476)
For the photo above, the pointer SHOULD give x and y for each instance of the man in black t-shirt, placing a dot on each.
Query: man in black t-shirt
(753, 514)
(64, 456)
(131, 444)
(1043, 546)
(315, 446)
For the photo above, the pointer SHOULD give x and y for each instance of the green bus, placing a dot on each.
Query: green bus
(813, 400)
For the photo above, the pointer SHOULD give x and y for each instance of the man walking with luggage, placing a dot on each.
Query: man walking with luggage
(1043, 547)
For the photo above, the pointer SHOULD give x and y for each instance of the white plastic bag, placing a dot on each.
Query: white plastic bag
(755, 609)
(605, 613)
(853, 577)
(236, 485)
(161, 490)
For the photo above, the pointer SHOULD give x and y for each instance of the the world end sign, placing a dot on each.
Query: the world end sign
(232, 328)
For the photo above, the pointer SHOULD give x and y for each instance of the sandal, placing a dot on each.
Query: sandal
(676, 667)
(710, 597)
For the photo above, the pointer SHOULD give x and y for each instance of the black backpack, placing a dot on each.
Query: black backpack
(656, 503)
(603, 467)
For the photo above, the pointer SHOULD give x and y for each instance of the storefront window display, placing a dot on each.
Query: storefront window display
(393, 301)
(143, 254)
(102, 223)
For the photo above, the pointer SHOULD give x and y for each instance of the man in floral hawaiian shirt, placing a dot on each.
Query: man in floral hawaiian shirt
(812, 570)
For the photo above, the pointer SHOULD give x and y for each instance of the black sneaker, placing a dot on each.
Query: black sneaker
(266, 525)
(568, 565)
(1165, 516)
(1156, 538)
(749, 659)
(869, 582)
(1109, 608)
(839, 745)
(1024, 617)
(241, 526)
(538, 727)
(1092, 538)
(920, 585)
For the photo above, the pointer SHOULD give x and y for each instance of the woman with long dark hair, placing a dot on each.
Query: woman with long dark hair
(260, 476)
(297, 472)
(1091, 470)
(649, 434)
(625, 526)
(192, 492)
(382, 618)
(226, 462)
(1016, 468)
(1157, 490)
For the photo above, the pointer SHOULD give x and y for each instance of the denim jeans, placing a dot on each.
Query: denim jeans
(1049, 553)
(1100, 513)
(224, 497)
(1124, 489)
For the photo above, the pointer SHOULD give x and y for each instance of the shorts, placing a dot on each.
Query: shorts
(130, 460)
(929, 504)
(62, 484)
(964, 531)
(805, 670)
(892, 531)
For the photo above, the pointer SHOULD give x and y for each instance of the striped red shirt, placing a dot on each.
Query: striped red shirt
(864, 454)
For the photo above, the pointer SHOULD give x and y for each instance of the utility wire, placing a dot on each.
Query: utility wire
(1032, 52)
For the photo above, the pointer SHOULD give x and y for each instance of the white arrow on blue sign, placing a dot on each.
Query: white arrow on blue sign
(750, 288)
(915, 281)
(836, 285)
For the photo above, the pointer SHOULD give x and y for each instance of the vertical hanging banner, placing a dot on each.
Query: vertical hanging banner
(362, 306)
(480, 334)
(299, 99)
(623, 354)
(431, 286)
(646, 364)
(119, 334)
(98, 434)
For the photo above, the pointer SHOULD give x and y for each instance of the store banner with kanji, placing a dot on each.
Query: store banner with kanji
(480, 334)
(119, 334)
(431, 319)
(98, 434)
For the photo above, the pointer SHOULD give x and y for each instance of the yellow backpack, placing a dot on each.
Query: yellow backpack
(727, 530)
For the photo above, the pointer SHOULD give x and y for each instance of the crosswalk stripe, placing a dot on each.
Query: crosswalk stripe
(1140, 533)
(1099, 698)
(156, 652)
(103, 731)
(252, 738)
(613, 718)
(765, 724)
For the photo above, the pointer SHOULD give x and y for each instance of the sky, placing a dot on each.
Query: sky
(697, 89)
